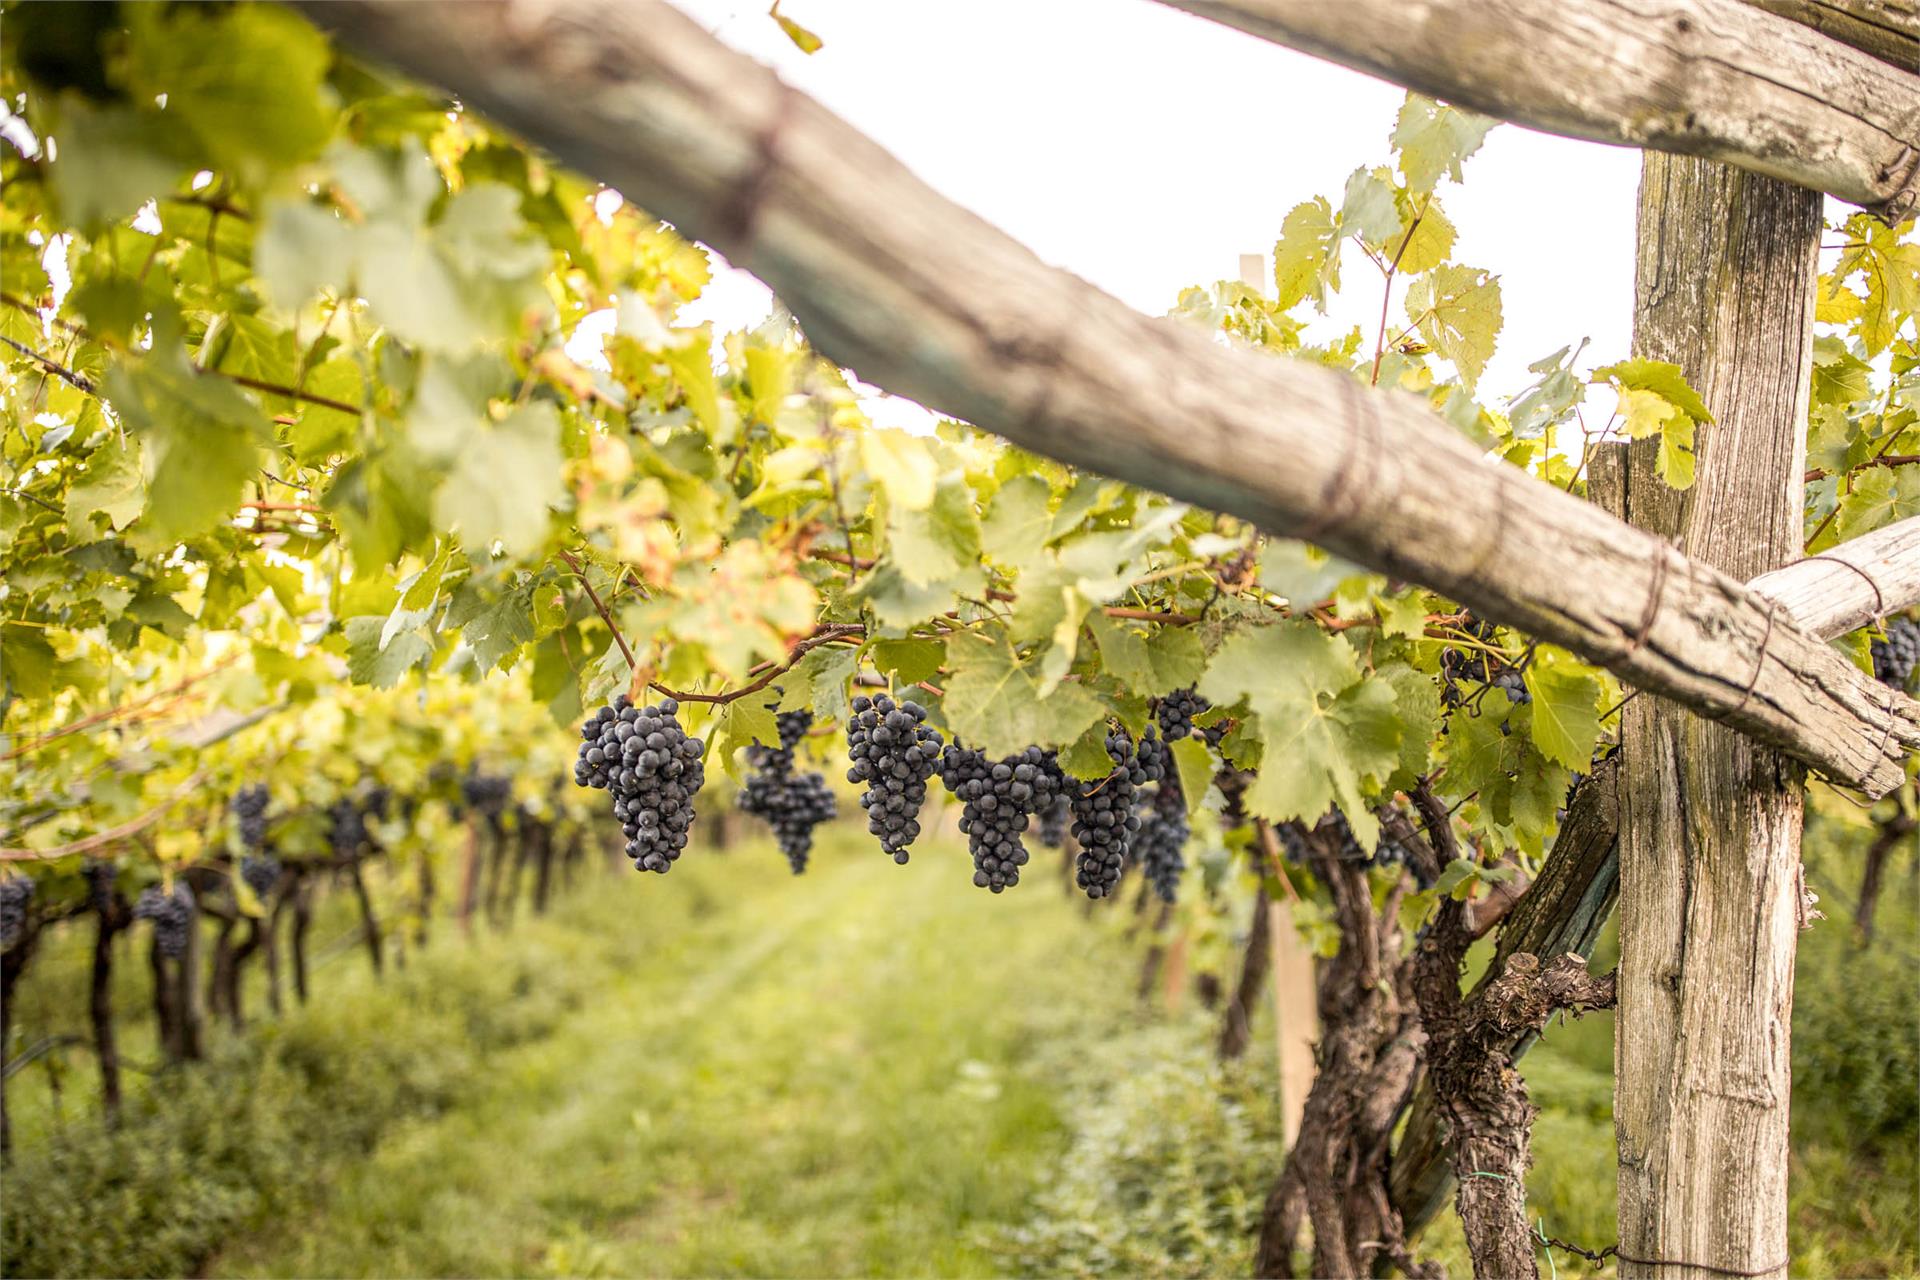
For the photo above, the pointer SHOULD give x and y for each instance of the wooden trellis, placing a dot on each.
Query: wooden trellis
(926, 300)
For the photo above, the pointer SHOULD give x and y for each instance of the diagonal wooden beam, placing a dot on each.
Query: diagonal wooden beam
(1718, 79)
(1852, 584)
(921, 297)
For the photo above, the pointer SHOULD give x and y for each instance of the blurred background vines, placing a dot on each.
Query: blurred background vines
(356, 456)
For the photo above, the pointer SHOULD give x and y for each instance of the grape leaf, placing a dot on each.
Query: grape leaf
(1433, 140)
(939, 542)
(1566, 707)
(503, 480)
(994, 703)
(1325, 730)
(1195, 763)
(368, 662)
(903, 464)
(1151, 666)
(1457, 310)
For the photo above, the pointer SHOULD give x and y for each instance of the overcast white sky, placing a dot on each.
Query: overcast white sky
(1145, 150)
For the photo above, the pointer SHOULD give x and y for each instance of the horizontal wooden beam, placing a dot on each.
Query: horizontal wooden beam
(1887, 29)
(1852, 584)
(1721, 79)
(926, 300)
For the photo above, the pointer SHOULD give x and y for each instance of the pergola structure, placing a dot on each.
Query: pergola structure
(1747, 109)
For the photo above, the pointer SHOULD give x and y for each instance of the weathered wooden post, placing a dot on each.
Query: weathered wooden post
(1710, 820)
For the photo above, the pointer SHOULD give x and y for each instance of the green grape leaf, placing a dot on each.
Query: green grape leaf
(818, 682)
(994, 703)
(1306, 261)
(383, 667)
(200, 439)
(940, 542)
(112, 485)
(503, 480)
(1325, 730)
(1566, 707)
(112, 160)
(248, 80)
(1457, 310)
(1433, 140)
(1087, 758)
(27, 661)
(1423, 245)
(1880, 496)
(1368, 209)
(903, 464)
(896, 602)
(1301, 573)
(1018, 522)
(494, 627)
(909, 661)
(1151, 666)
(741, 723)
(1195, 764)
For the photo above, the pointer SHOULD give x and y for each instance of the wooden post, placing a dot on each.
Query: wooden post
(1295, 1017)
(1296, 1000)
(1709, 820)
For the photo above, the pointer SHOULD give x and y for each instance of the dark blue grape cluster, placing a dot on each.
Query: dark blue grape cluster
(653, 769)
(1163, 832)
(487, 793)
(171, 914)
(793, 804)
(1103, 813)
(1176, 711)
(997, 802)
(376, 801)
(1895, 657)
(1467, 672)
(261, 873)
(893, 751)
(346, 828)
(15, 893)
(250, 806)
(1055, 822)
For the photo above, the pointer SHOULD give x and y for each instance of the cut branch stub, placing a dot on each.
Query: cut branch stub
(921, 297)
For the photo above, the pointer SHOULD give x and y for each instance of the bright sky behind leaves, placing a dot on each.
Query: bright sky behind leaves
(1145, 150)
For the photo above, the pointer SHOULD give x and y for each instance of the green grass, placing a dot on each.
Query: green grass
(823, 1080)
(866, 1070)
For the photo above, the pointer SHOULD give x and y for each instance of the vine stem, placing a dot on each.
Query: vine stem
(1386, 292)
(112, 835)
(600, 607)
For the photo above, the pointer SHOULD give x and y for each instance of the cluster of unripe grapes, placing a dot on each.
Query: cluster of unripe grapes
(171, 914)
(1895, 657)
(793, 804)
(891, 749)
(653, 769)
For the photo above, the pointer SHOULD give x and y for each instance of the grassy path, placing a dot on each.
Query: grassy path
(841, 1073)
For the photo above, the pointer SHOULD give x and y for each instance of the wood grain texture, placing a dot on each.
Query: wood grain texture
(1710, 821)
(920, 297)
(1720, 79)
(1852, 584)
(1887, 29)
